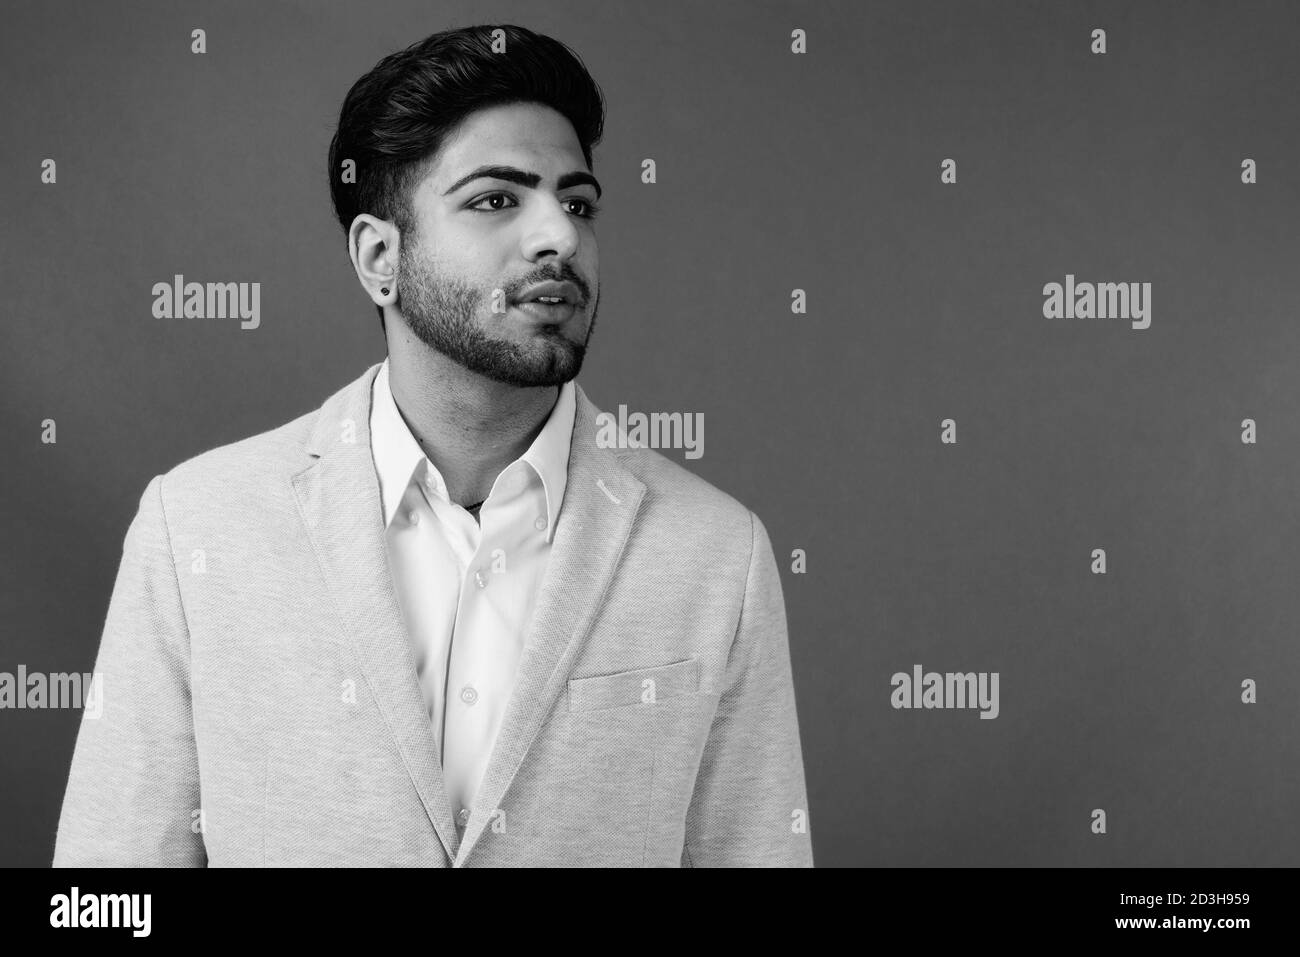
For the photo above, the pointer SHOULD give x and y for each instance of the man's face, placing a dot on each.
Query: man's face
(479, 245)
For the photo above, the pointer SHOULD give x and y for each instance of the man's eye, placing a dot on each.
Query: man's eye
(589, 209)
(492, 196)
(592, 208)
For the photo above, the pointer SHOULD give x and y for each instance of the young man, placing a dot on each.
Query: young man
(435, 622)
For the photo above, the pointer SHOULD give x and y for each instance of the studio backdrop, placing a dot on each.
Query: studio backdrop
(984, 309)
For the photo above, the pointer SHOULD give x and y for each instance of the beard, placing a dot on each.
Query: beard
(442, 314)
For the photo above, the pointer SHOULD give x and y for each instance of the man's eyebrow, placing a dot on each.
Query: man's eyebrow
(512, 174)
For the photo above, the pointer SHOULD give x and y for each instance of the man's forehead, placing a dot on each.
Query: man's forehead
(525, 135)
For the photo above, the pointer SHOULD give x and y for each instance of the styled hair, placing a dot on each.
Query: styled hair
(396, 117)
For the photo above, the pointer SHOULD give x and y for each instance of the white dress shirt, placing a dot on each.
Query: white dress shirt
(466, 590)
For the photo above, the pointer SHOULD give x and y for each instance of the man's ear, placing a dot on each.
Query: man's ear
(375, 247)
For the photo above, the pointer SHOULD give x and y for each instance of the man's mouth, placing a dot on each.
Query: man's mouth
(547, 309)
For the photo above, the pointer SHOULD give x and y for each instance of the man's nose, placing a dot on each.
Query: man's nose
(551, 232)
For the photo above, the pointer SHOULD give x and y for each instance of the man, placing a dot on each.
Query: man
(435, 622)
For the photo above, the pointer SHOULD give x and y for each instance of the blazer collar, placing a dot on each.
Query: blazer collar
(339, 503)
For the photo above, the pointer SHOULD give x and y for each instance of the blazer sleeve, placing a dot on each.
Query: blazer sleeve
(133, 790)
(750, 805)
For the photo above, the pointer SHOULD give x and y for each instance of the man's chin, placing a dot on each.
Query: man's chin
(553, 369)
(542, 356)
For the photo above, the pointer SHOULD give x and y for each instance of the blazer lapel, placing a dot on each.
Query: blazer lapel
(601, 500)
(338, 498)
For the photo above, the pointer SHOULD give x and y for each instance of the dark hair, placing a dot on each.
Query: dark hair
(396, 117)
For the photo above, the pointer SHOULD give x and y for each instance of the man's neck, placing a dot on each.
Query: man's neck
(469, 426)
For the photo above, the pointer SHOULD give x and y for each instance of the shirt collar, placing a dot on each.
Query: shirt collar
(398, 455)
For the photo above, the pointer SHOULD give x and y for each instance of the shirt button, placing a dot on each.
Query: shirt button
(462, 816)
(414, 516)
(540, 522)
(480, 579)
(468, 694)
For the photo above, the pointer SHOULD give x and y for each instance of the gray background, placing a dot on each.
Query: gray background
(775, 171)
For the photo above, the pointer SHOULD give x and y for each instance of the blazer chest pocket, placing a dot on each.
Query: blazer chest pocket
(639, 686)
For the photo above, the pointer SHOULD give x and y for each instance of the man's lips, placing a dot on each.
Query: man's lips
(551, 289)
(547, 312)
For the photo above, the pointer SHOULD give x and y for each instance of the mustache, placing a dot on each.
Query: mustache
(563, 275)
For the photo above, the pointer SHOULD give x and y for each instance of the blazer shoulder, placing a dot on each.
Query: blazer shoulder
(247, 472)
(252, 478)
(678, 494)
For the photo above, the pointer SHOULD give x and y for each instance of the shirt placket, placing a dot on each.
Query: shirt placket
(464, 725)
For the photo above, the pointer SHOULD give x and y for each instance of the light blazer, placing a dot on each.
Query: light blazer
(260, 703)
